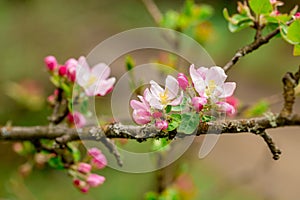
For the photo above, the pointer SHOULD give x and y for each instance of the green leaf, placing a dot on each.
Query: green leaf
(261, 6)
(257, 109)
(168, 108)
(84, 107)
(296, 50)
(151, 196)
(170, 20)
(293, 31)
(181, 106)
(235, 28)
(226, 14)
(207, 118)
(56, 162)
(189, 123)
(160, 144)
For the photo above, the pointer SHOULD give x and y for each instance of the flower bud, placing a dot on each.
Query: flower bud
(297, 15)
(99, 161)
(62, 71)
(198, 103)
(226, 107)
(95, 180)
(84, 168)
(94, 152)
(161, 125)
(71, 74)
(182, 81)
(72, 62)
(77, 118)
(51, 63)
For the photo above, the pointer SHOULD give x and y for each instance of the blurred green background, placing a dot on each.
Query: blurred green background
(33, 29)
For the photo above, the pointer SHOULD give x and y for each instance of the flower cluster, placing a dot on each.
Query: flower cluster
(94, 81)
(207, 91)
(83, 178)
(153, 104)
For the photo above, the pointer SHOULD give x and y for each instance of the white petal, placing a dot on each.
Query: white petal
(217, 74)
(178, 100)
(172, 87)
(200, 87)
(83, 71)
(155, 103)
(228, 89)
(155, 89)
(101, 71)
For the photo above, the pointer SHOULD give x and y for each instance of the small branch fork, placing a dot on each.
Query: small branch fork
(258, 41)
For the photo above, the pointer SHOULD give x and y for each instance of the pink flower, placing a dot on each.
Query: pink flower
(94, 152)
(159, 98)
(99, 161)
(62, 70)
(183, 81)
(84, 168)
(161, 124)
(226, 107)
(77, 118)
(95, 180)
(210, 83)
(198, 103)
(51, 63)
(297, 15)
(94, 81)
(141, 109)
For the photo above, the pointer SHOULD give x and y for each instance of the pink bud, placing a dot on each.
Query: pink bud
(95, 180)
(94, 152)
(226, 107)
(161, 125)
(183, 81)
(198, 103)
(77, 182)
(84, 168)
(51, 99)
(99, 161)
(72, 62)
(297, 15)
(77, 118)
(85, 189)
(71, 74)
(157, 114)
(50, 62)
(62, 71)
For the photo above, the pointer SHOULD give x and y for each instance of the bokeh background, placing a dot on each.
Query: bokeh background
(240, 167)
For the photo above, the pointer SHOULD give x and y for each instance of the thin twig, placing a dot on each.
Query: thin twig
(259, 41)
(153, 10)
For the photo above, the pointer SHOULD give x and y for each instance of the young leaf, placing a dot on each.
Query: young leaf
(175, 122)
(168, 108)
(261, 6)
(296, 50)
(189, 123)
(56, 162)
(293, 31)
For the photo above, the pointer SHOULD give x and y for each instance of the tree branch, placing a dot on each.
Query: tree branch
(259, 41)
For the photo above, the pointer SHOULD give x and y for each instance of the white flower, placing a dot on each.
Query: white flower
(94, 81)
(210, 82)
(159, 98)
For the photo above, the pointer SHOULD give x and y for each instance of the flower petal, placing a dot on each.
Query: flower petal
(105, 86)
(172, 87)
(101, 71)
(178, 100)
(216, 74)
(155, 89)
(228, 89)
(155, 103)
(83, 73)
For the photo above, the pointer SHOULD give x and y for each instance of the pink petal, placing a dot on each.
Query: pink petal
(105, 85)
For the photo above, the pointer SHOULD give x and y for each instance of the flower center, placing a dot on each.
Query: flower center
(210, 88)
(164, 97)
(91, 81)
